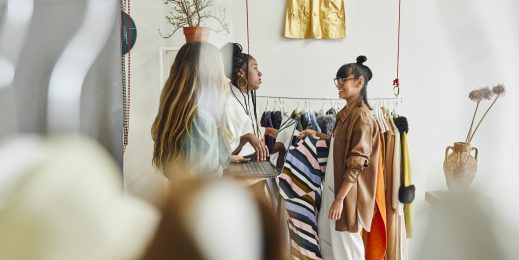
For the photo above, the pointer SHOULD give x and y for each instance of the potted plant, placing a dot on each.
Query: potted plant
(460, 166)
(191, 15)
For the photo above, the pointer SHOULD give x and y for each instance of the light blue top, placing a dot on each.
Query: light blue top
(205, 149)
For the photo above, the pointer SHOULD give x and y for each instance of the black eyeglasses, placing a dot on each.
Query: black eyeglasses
(340, 81)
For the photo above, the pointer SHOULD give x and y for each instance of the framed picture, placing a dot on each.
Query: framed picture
(166, 59)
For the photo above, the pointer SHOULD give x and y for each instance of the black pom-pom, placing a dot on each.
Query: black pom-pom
(406, 194)
(401, 124)
(361, 59)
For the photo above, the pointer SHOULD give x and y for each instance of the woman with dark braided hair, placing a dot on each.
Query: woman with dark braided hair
(242, 119)
(348, 199)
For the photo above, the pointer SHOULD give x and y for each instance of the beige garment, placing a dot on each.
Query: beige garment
(317, 19)
(401, 242)
(390, 208)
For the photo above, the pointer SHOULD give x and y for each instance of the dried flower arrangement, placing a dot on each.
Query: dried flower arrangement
(479, 95)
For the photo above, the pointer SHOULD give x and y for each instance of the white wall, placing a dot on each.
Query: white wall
(447, 49)
(140, 177)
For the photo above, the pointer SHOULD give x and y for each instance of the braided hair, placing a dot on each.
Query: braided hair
(358, 69)
(234, 60)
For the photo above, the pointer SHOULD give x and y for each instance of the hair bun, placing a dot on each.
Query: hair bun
(236, 48)
(361, 59)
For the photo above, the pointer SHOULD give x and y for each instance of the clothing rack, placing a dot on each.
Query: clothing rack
(395, 99)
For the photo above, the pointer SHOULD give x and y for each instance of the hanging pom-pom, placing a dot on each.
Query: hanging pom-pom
(401, 124)
(406, 194)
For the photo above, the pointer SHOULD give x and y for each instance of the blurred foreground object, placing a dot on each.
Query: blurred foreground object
(215, 219)
(61, 198)
(460, 227)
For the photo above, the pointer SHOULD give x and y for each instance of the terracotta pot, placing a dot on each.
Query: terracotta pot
(460, 166)
(196, 34)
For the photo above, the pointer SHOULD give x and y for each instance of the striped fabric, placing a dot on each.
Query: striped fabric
(300, 188)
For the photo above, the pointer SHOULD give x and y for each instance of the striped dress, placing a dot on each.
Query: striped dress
(300, 187)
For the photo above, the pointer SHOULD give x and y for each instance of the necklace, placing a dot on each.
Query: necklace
(246, 108)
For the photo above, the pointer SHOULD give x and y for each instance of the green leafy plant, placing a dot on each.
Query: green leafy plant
(193, 13)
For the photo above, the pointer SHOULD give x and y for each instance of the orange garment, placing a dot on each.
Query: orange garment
(375, 242)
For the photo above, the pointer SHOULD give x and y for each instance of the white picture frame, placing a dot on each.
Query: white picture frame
(166, 58)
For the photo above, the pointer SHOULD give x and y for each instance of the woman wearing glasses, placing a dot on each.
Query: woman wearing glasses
(349, 187)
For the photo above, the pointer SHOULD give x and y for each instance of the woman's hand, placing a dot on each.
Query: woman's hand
(260, 148)
(335, 210)
(307, 132)
(239, 159)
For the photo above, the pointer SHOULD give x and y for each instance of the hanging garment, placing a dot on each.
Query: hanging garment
(331, 111)
(317, 19)
(375, 241)
(313, 120)
(400, 229)
(284, 137)
(297, 116)
(305, 120)
(326, 123)
(401, 243)
(277, 118)
(406, 166)
(267, 121)
(335, 244)
(300, 187)
(240, 120)
(391, 252)
(266, 118)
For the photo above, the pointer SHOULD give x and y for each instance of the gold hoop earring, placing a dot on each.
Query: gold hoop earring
(244, 85)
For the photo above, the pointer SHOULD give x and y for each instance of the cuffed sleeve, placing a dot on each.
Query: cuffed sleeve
(361, 147)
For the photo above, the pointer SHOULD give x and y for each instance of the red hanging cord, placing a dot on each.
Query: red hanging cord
(396, 82)
(247, 15)
(125, 28)
(128, 43)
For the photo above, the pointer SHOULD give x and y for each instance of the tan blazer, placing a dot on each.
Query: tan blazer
(355, 157)
(318, 19)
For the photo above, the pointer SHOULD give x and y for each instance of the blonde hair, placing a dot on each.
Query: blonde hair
(196, 82)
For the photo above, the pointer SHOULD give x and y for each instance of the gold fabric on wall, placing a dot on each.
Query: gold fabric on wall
(317, 19)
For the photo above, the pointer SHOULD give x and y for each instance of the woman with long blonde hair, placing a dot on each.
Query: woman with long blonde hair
(189, 134)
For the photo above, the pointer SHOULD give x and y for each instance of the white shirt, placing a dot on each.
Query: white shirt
(240, 119)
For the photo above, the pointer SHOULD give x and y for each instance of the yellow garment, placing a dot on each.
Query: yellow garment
(318, 19)
(406, 166)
